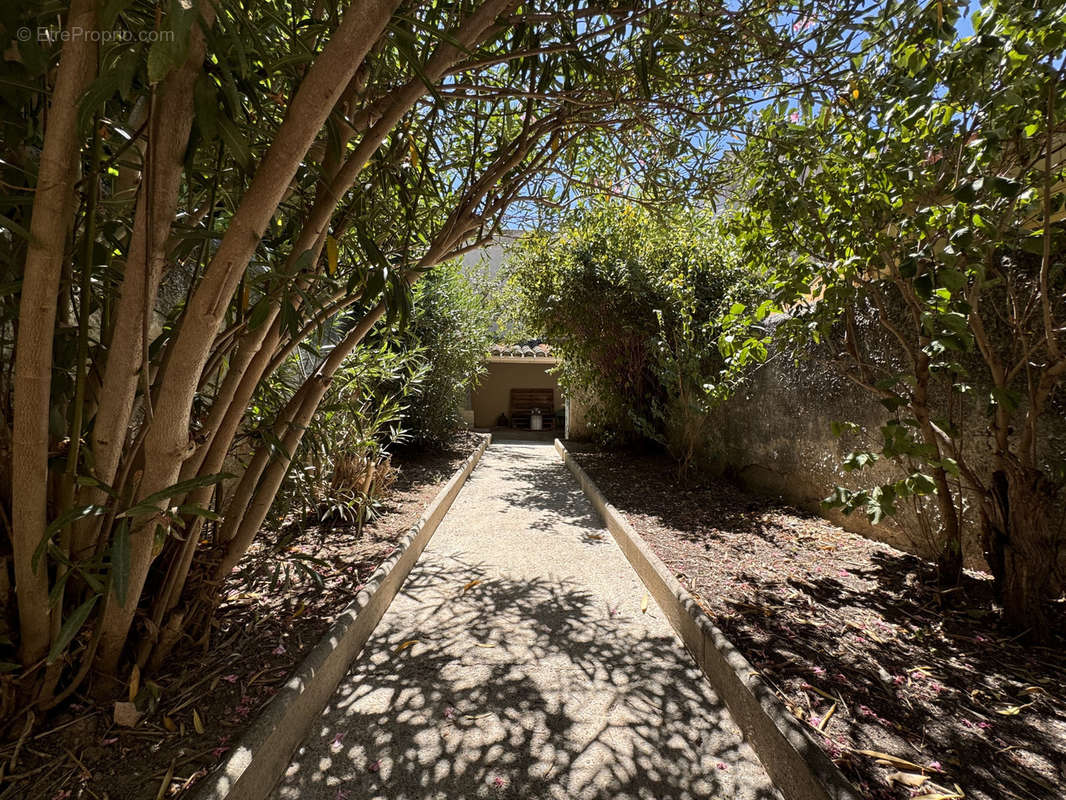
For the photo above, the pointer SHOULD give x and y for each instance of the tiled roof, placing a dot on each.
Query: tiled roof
(532, 348)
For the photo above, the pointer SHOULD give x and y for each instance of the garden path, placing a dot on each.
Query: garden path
(517, 661)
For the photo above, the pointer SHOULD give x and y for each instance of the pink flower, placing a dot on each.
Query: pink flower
(934, 765)
(498, 782)
(722, 765)
(337, 743)
(279, 650)
(374, 766)
(794, 116)
(229, 678)
(218, 751)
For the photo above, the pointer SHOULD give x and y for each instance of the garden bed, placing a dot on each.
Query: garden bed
(857, 641)
(264, 628)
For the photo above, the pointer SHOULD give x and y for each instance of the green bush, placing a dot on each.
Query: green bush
(451, 325)
(634, 301)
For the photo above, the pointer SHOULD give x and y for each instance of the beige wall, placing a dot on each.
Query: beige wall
(492, 397)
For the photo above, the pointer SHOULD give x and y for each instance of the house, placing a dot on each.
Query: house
(517, 382)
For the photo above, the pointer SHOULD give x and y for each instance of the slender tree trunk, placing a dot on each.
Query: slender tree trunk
(167, 442)
(50, 220)
(1031, 551)
(168, 137)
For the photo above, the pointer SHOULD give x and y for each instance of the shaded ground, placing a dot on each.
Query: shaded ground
(856, 640)
(266, 625)
(523, 659)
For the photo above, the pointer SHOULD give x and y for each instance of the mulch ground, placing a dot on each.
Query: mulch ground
(912, 692)
(199, 706)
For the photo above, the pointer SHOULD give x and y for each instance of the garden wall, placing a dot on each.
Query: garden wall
(775, 437)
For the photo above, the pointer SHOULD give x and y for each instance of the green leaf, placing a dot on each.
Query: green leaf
(70, 628)
(120, 561)
(150, 503)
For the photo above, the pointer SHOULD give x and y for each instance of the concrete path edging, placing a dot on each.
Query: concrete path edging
(794, 761)
(264, 751)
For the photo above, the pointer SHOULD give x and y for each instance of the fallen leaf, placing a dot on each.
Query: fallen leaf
(406, 644)
(644, 604)
(893, 760)
(470, 585)
(483, 644)
(908, 778)
(126, 714)
(1011, 711)
(169, 724)
(825, 719)
(135, 682)
(197, 722)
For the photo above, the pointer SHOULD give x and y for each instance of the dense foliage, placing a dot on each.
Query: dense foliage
(452, 324)
(634, 300)
(201, 190)
(916, 225)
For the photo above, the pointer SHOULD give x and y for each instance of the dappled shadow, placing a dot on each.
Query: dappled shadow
(857, 635)
(735, 511)
(519, 688)
(546, 488)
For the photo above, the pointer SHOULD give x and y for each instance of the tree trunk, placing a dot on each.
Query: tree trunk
(50, 220)
(157, 203)
(167, 442)
(1030, 551)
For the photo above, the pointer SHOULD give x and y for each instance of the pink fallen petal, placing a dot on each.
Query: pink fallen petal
(374, 766)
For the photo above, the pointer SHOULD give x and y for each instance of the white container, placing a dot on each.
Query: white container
(536, 420)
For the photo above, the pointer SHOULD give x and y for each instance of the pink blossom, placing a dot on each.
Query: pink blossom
(337, 742)
(279, 650)
(229, 678)
(498, 782)
(794, 116)
(374, 766)
(722, 765)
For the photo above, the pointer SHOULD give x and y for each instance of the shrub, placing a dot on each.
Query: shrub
(451, 327)
(634, 301)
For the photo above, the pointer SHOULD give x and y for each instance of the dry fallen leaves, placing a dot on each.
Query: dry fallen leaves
(405, 645)
(644, 604)
(890, 760)
(911, 779)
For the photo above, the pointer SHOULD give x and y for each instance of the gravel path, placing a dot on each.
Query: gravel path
(517, 662)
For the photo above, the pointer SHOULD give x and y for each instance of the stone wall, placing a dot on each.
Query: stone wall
(775, 437)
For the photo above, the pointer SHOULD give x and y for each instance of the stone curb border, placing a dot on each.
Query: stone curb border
(795, 763)
(265, 750)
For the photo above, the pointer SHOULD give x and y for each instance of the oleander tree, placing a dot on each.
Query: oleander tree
(916, 225)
